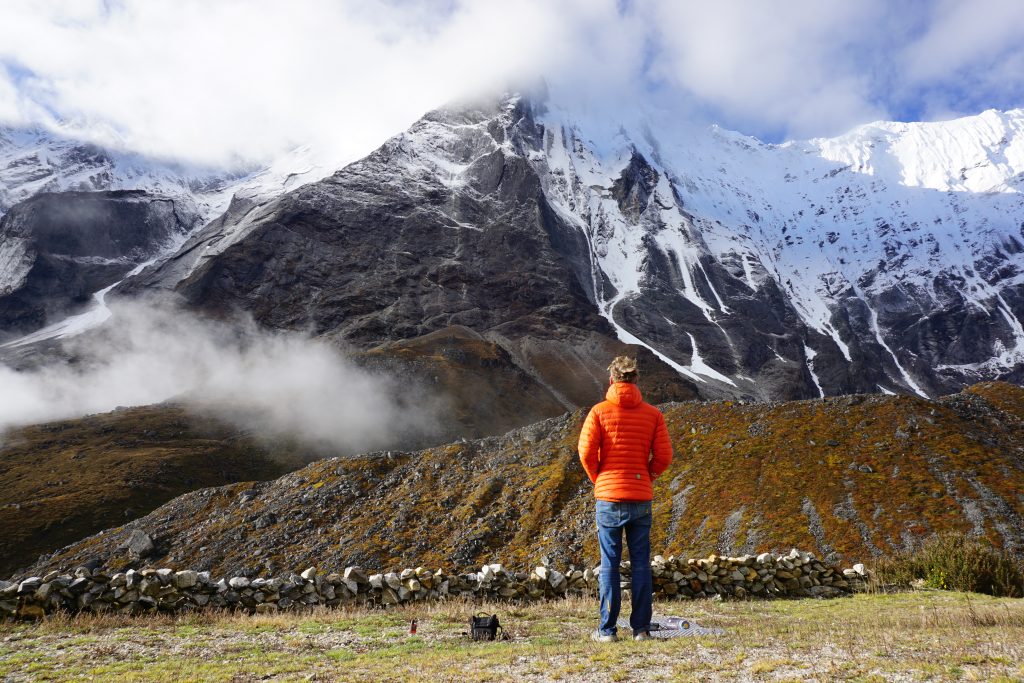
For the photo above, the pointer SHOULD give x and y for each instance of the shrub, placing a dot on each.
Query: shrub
(959, 563)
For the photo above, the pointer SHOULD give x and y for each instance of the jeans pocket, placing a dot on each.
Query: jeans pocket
(607, 514)
(607, 518)
(644, 514)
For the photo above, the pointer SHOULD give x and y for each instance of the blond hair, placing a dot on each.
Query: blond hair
(623, 369)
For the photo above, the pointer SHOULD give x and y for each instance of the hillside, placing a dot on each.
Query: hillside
(850, 478)
(64, 480)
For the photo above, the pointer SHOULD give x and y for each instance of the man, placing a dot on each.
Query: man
(624, 446)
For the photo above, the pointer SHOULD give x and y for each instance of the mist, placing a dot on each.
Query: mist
(275, 384)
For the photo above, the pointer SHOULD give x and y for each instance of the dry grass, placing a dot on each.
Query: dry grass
(916, 636)
(62, 481)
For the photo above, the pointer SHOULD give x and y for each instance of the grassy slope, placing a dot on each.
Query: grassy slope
(851, 476)
(65, 480)
(918, 636)
(929, 463)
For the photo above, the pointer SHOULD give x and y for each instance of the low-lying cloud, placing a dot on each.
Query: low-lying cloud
(275, 384)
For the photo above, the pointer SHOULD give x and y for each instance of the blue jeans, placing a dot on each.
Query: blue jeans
(635, 518)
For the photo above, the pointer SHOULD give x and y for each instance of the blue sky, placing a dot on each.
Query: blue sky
(219, 82)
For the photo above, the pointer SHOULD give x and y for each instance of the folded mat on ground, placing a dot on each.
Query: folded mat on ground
(675, 627)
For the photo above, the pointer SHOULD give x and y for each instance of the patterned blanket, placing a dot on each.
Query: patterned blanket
(675, 627)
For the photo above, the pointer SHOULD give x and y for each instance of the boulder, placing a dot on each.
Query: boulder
(138, 544)
(186, 579)
(356, 575)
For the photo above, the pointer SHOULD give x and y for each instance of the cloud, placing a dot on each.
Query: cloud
(273, 383)
(214, 81)
(774, 64)
(969, 57)
(221, 82)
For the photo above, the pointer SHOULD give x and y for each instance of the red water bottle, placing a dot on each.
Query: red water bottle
(412, 628)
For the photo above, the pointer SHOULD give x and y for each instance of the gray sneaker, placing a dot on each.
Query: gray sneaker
(604, 637)
(643, 635)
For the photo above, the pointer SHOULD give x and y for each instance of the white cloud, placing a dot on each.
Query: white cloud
(213, 81)
(964, 34)
(777, 64)
(273, 383)
(208, 80)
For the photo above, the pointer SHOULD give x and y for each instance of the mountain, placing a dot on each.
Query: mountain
(35, 160)
(521, 243)
(59, 251)
(850, 478)
(77, 218)
(890, 259)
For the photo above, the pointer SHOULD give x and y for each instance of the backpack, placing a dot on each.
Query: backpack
(485, 626)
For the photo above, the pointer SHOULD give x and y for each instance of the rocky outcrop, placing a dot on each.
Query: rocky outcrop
(59, 249)
(798, 574)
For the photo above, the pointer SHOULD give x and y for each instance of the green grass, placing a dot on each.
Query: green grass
(928, 635)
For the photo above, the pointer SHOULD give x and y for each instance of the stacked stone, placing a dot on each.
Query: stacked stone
(135, 592)
(798, 574)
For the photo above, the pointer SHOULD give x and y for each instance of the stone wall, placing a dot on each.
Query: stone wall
(797, 574)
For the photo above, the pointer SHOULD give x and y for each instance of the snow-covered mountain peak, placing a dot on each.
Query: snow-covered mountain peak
(902, 218)
(982, 153)
(888, 258)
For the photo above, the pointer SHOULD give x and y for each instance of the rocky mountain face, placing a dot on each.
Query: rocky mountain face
(851, 478)
(80, 184)
(58, 251)
(437, 252)
(886, 260)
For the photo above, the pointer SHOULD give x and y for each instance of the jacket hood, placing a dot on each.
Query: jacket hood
(624, 394)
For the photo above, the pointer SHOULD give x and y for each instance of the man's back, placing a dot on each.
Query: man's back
(617, 441)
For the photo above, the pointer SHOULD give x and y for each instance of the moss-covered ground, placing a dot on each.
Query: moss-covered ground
(928, 635)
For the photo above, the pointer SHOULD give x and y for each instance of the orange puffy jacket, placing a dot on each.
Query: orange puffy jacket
(616, 443)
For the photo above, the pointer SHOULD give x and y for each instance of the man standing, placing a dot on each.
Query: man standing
(624, 446)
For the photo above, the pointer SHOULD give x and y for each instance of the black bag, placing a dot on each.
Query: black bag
(484, 626)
